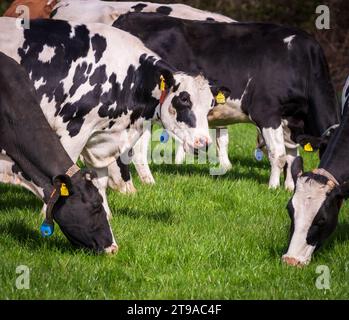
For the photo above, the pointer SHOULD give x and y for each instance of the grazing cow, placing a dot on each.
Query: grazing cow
(275, 77)
(37, 8)
(318, 195)
(108, 11)
(29, 147)
(97, 85)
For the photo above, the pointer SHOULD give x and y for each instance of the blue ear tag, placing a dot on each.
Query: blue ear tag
(46, 229)
(164, 136)
(258, 154)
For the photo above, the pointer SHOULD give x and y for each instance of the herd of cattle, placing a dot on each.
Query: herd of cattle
(82, 80)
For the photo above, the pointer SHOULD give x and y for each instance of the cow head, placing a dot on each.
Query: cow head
(80, 213)
(184, 102)
(313, 210)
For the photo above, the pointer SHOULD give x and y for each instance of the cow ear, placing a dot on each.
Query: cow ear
(62, 183)
(166, 79)
(297, 169)
(217, 89)
(311, 142)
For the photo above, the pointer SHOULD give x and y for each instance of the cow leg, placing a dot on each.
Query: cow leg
(140, 158)
(120, 177)
(180, 154)
(274, 140)
(222, 138)
(291, 154)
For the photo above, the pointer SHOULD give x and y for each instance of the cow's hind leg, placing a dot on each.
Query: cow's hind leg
(274, 140)
(222, 138)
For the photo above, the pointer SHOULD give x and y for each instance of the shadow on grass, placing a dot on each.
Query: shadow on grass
(21, 233)
(157, 216)
(254, 173)
(12, 198)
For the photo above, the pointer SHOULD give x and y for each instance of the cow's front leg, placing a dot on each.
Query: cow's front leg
(274, 140)
(222, 138)
(140, 158)
(180, 154)
(291, 154)
(102, 181)
(120, 177)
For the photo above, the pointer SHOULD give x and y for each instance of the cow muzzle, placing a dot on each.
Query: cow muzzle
(294, 262)
(113, 249)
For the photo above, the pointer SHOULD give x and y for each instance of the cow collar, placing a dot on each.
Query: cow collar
(332, 181)
(48, 225)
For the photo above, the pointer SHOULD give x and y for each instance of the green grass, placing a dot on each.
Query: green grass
(189, 236)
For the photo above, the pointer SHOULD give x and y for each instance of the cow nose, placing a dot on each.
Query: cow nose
(292, 261)
(202, 142)
(112, 249)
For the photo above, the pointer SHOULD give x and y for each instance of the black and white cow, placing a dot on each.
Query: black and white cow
(97, 85)
(108, 11)
(319, 194)
(28, 145)
(275, 77)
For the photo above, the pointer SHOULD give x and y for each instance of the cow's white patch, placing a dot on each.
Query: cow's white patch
(274, 139)
(288, 41)
(307, 200)
(39, 83)
(108, 12)
(47, 54)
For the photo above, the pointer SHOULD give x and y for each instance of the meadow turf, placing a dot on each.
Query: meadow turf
(190, 236)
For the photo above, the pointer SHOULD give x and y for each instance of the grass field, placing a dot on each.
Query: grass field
(189, 236)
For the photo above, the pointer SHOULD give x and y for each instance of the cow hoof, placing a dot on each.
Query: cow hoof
(226, 166)
(289, 186)
(147, 180)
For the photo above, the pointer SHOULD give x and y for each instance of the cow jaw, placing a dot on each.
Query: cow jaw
(306, 202)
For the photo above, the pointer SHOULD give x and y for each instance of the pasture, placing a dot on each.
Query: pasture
(191, 236)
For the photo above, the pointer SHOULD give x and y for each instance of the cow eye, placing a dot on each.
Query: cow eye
(185, 97)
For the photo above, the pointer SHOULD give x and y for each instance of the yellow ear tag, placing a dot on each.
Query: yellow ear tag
(64, 190)
(308, 148)
(162, 83)
(220, 98)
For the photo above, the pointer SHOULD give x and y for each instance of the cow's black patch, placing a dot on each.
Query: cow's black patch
(79, 78)
(139, 7)
(99, 76)
(182, 103)
(124, 170)
(165, 10)
(99, 44)
(210, 19)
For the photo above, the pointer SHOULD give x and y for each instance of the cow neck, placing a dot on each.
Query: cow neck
(336, 156)
(25, 134)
